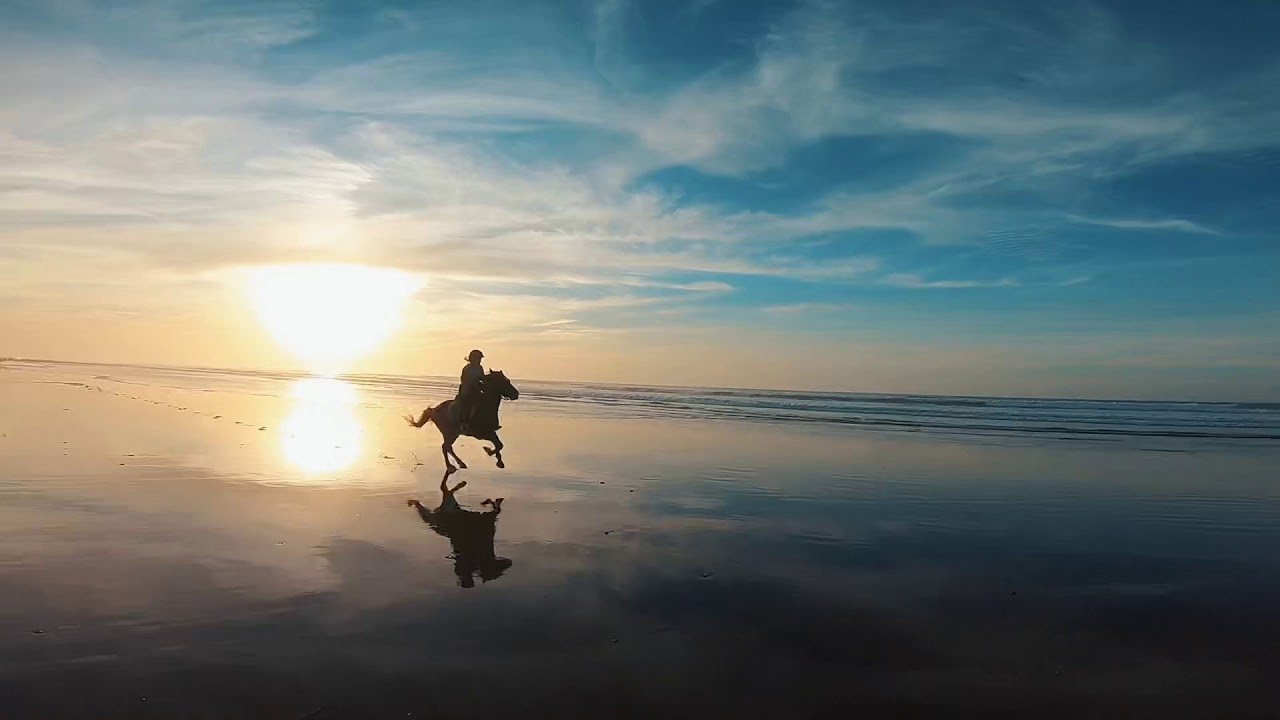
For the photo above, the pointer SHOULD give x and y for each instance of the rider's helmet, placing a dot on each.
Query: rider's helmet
(474, 356)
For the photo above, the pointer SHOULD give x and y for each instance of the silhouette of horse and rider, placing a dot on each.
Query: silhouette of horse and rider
(474, 412)
(470, 534)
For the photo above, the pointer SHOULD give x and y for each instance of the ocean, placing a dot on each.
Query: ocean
(1006, 417)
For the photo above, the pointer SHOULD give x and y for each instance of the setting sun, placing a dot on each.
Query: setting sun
(328, 315)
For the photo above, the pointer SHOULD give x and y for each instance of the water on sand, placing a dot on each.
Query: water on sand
(211, 544)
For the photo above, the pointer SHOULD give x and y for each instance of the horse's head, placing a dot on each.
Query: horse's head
(497, 382)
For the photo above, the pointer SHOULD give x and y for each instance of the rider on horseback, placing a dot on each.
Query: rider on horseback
(469, 387)
(479, 392)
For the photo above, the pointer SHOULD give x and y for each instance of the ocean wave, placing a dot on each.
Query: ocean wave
(1272, 407)
(1033, 417)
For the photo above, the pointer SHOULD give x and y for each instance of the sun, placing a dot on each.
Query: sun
(329, 315)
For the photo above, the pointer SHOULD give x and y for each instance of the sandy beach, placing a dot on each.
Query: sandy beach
(209, 545)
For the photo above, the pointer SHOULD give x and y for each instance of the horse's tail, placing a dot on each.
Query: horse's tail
(423, 419)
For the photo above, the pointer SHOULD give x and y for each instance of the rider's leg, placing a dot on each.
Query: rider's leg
(466, 407)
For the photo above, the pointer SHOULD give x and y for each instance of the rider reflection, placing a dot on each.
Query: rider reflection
(470, 534)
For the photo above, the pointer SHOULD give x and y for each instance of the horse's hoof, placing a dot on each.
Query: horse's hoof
(462, 466)
(449, 469)
(501, 464)
(489, 451)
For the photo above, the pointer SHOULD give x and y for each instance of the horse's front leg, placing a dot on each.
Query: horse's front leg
(496, 450)
(446, 447)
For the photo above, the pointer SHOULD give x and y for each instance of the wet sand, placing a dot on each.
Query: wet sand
(243, 548)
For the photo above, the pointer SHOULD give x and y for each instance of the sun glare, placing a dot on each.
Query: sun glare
(329, 315)
(322, 435)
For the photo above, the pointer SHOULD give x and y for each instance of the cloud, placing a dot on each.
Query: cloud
(226, 30)
(836, 69)
(820, 72)
(810, 308)
(1141, 224)
(909, 280)
(734, 122)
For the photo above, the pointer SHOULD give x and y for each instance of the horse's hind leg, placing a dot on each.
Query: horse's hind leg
(454, 453)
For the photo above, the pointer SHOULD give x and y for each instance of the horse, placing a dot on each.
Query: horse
(494, 387)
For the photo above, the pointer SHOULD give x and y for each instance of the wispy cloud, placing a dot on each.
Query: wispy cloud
(909, 280)
(810, 308)
(1145, 224)
(838, 147)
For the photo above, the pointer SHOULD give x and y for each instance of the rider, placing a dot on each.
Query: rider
(472, 374)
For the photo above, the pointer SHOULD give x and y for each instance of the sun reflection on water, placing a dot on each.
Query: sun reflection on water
(322, 435)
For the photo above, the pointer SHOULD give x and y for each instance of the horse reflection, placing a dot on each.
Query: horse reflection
(470, 534)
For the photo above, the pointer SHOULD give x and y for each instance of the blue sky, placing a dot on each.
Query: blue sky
(998, 198)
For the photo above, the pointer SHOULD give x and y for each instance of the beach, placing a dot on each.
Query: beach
(209, 544)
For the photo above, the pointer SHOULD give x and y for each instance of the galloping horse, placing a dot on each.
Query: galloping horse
(484, 424)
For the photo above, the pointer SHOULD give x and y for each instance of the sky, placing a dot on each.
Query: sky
(997, 198)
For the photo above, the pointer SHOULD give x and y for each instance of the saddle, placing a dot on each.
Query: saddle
(474, 422)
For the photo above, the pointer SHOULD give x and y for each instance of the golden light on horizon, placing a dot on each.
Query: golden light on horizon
(330, 315)
(322, 435)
